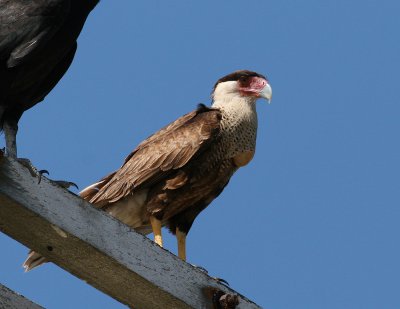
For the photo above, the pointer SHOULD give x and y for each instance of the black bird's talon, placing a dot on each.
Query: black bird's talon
(65, 184)
(73, 184)
(40, 173)
(32, 170)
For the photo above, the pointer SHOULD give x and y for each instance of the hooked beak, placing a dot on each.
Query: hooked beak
(266, 93)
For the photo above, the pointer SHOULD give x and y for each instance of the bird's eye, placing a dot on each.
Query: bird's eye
(244, 80)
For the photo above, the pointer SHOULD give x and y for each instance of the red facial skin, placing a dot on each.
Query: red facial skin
(252, 86)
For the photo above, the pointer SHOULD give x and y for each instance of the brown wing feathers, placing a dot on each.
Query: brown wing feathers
(158, 156)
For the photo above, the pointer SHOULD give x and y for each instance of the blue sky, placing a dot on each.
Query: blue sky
(313, 221)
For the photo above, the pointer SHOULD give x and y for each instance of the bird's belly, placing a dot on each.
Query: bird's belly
(243, 158)
(130, 209)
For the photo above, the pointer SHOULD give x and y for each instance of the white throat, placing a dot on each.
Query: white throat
(227, 98)
(239, 118)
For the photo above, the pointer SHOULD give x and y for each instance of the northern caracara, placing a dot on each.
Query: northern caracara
(177, 172)
(37, 45)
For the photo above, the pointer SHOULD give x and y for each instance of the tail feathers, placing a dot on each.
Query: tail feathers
(34, 259)
(89, 192)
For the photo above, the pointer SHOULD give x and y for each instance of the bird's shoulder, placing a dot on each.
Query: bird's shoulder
(200, 123)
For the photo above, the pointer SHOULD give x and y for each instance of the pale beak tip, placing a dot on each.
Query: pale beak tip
(266, 93)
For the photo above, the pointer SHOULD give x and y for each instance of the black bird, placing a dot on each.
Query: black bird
(37, 46)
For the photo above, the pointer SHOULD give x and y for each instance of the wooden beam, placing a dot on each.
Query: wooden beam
(97, 248)
(11, 300)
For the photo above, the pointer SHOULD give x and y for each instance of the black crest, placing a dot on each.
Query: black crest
(238, 75)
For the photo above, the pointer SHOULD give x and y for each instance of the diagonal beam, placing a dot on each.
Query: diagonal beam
(97, 248)
(9, 300)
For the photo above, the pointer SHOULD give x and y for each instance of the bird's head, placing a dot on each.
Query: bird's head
(243, 83)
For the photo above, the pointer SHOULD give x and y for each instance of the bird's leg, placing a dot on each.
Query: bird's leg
(156, 226)
(10, 132)
(34, 172)
(181, 238)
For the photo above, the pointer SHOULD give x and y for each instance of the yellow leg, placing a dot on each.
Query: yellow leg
(181, 238)
(156, 226)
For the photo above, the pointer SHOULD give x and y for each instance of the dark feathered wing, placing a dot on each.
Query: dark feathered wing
(158, 156)
(178, 163)
(26, 26)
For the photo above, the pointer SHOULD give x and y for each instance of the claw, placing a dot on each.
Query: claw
(222, 281)
(35, 173)
(40, 173)
(65, 184)
(200, 268)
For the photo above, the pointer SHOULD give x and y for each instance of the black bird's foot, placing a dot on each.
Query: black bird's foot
(65, 184)
(62, 183)
(39, 174)
(32, 170)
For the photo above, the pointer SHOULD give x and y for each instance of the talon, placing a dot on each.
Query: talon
(65, 184)
(73, 184)
(200, 268)
(40, 173)
(222, 281)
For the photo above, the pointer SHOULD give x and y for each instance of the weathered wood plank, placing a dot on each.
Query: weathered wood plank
(11, 300)
(96, 247)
